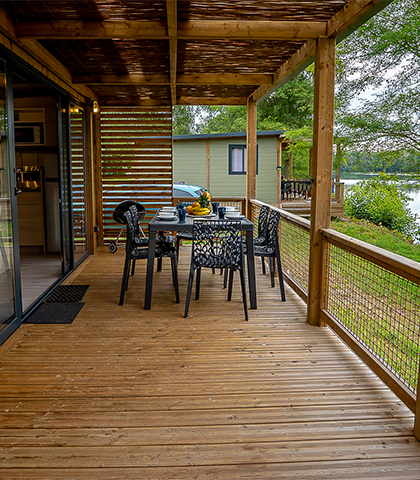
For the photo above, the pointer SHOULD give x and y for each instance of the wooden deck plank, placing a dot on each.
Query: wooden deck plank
(125, 393)
(204, 454)
(102, 419)
(376, 469)
(243, 433)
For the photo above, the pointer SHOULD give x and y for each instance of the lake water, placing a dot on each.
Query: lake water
(414, 194)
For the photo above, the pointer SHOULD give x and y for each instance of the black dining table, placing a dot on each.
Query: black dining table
(157, 225)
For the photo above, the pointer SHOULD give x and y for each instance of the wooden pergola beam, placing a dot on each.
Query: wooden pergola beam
(257, 30)
(287, 70)
(184, 100)
(39, 58)
(347, 19)
(182, 79)
(350, 14)
(132, 101)
(225, 79)
(132, 79)
(171, 14)
(197, 29)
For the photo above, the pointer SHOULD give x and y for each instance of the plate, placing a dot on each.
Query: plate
(167, 219)
(210, 215)
(234, 217)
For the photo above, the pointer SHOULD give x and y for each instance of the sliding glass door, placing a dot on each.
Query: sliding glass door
(78, 177)
(7, 270)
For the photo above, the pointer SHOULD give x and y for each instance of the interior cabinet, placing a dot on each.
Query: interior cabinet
(31, 219)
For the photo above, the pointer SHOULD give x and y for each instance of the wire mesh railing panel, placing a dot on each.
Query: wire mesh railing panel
(379, 309)
(294, 249)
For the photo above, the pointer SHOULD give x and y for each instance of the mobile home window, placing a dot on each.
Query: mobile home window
(237, 159)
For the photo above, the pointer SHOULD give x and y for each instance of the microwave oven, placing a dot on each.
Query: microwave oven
(26, 134)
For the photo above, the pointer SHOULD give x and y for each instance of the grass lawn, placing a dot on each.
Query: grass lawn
(380, 236)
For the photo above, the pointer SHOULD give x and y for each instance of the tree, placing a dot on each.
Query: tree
(381, 60)
(290, 107)
(186, 119)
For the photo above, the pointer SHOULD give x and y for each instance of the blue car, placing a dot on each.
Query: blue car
(182, 189)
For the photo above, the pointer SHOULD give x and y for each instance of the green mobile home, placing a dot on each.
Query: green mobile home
(218, 162)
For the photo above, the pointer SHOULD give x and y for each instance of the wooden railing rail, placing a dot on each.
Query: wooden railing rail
(397, 264)
(371, 299)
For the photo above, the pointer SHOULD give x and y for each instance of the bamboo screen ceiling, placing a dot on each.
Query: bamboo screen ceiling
(178, 52)
(136, 160)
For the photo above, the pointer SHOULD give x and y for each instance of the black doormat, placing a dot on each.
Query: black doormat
(55, 312)
(68, 293)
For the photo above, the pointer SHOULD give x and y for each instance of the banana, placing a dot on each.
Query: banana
(200, 211)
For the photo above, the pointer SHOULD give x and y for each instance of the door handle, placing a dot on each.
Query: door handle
(17, 191)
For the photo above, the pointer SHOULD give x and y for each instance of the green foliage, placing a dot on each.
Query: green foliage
(392, 162)
(379, 67)
(379, 236)
(185, 119)
(224, 120)
(382, 203)
(300, 145)
(290, 107)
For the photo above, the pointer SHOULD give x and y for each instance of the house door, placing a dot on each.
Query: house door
(8, 302)
(78, 181)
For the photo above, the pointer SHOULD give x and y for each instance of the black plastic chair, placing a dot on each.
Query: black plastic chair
(261, 238)
(118, 216)
(140, 240)
(134, 251)
(272, 250)
(216, 244)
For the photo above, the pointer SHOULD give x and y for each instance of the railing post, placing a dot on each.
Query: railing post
(251, 154)
(321, 169)
(417, 413)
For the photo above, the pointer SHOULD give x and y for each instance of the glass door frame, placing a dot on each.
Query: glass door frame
(73, 102)
(63, 110)
(15, 65)
(15, 323)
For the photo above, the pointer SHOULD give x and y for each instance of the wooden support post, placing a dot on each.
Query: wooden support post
(417, 412)
(251, 154)
(291, 165)
(90, 181)
(338, 188)
(279, 152)
(98, 180)
(322, 161)
(208, 163)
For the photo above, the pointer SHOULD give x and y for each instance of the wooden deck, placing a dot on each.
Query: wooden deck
(301, 206)
(124, 393)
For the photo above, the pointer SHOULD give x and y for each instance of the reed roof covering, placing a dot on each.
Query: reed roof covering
(163, 52)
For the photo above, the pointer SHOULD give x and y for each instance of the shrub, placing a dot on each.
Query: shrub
(382, 203)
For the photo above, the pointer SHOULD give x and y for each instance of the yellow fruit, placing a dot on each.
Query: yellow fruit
(189, 209)
(200, 211)
(195, 204)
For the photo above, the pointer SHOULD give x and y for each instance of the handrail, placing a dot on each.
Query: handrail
(291, 217)
(398, 264)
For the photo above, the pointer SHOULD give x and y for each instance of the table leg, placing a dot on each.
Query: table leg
(251, 269)
(149, 273)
